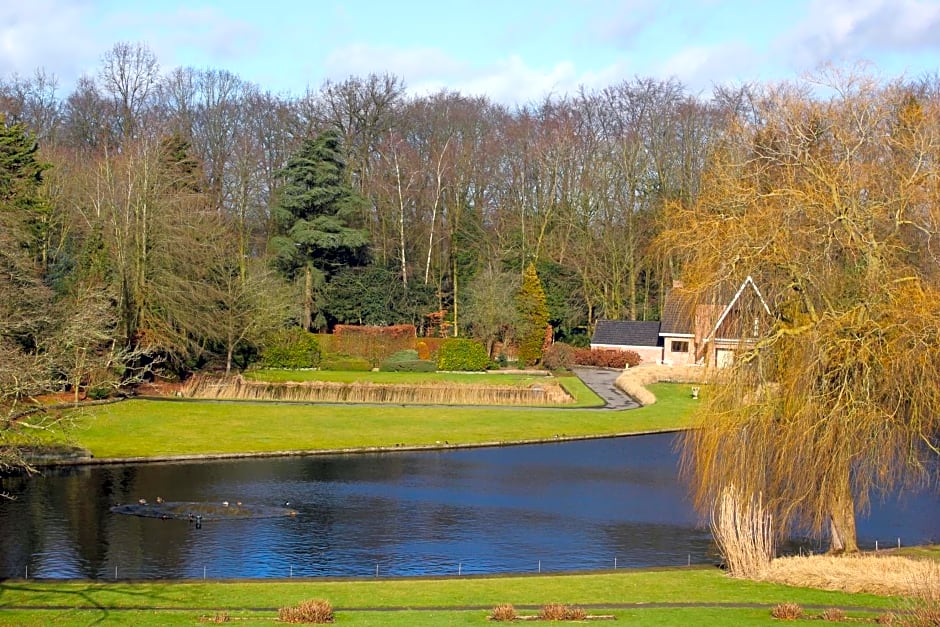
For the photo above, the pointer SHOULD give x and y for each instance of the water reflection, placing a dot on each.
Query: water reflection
(554, 507)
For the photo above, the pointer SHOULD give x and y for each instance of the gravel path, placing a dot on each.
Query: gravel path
(601, 380)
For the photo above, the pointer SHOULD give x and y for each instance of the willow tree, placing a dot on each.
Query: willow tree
(831, 203)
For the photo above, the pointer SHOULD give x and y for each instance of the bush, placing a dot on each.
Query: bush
(423, 350)
(291, 348)
(504, 612)
(787, 611)
(606, 358)
(558, 356)
(311, 611)
(462, 354)
(98, 394)
(373, 343)
(345, 363)
(558, 611)
(834, 615)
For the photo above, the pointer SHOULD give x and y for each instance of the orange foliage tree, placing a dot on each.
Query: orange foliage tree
(831, 202)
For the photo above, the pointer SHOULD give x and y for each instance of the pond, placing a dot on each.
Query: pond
(596, 504)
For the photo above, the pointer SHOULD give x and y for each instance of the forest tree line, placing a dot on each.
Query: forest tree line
(148, 215)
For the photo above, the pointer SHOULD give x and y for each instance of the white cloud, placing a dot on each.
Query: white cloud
(45, 34)
(701, 67)
(845, 30)
(509, 80)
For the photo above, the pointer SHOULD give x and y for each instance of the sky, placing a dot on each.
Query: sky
(512, 51)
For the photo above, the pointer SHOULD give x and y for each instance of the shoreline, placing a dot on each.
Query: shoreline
(357, 450)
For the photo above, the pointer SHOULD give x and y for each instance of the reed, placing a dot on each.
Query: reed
(871, 573)
(237, 388)
(316, 611)
(743, 532)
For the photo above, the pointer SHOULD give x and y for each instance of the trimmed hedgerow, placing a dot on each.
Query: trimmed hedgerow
(606, 358)
(346, 363)
(291, 348)
(407, 361)
(462, 354)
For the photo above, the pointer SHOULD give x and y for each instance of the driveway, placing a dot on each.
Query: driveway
(601, 380)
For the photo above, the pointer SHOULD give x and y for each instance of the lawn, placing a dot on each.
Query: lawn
(149, 428)
(693, 596)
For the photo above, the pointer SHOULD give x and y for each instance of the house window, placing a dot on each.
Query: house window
(679, 347)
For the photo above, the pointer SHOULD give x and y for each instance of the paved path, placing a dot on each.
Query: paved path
(601, 380)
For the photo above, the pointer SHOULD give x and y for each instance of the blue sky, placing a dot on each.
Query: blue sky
(513, 51)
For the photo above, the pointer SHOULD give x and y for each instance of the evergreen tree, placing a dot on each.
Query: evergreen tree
(533, 312)
(316, 215)
(20, 182)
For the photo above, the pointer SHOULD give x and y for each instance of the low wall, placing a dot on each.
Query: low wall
(633, 381)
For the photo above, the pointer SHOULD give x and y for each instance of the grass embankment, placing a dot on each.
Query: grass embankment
(695, 596)
(146, 428)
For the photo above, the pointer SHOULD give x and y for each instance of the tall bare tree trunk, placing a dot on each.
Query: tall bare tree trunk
(842, 537)
(308, 297)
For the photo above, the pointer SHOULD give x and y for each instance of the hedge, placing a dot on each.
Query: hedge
(462, 354)
(291, 348)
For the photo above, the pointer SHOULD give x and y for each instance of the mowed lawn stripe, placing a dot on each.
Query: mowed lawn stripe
(147, 428)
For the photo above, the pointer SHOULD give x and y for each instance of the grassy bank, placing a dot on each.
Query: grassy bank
(145, 428)
(694, 596)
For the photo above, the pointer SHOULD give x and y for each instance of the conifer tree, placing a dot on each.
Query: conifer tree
(533, 312)
(316, 214)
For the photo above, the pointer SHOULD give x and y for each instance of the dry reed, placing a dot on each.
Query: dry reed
(884, 575)
(833, 615)
(743, 532)
(559, 611)
(237, 388)
(504, 612)
(316, 611)
(633, 381)
(787, 611)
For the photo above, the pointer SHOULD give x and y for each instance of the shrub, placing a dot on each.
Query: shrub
(346, 362)
(98, 393)
(373, 343)
(606, 358)
(833, 614)
(559, 611)
(423, 350)
(462, 354)
(787, 611)
(558, 356)
(413, 365)
(310, 611)
(291, 348)
(504, 612)
(407, 361)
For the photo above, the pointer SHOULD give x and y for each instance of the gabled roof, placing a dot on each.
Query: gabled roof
(678, 313)
(727, 310)
(627, 333)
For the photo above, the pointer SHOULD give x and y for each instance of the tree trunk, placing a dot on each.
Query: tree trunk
(308, 297)
(842, 538)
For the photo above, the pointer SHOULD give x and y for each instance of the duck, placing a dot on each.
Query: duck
(141, 501)
(160, 500)
(224, 503)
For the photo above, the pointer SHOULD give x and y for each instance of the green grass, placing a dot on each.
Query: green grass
(145, 428)
(465, 601)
